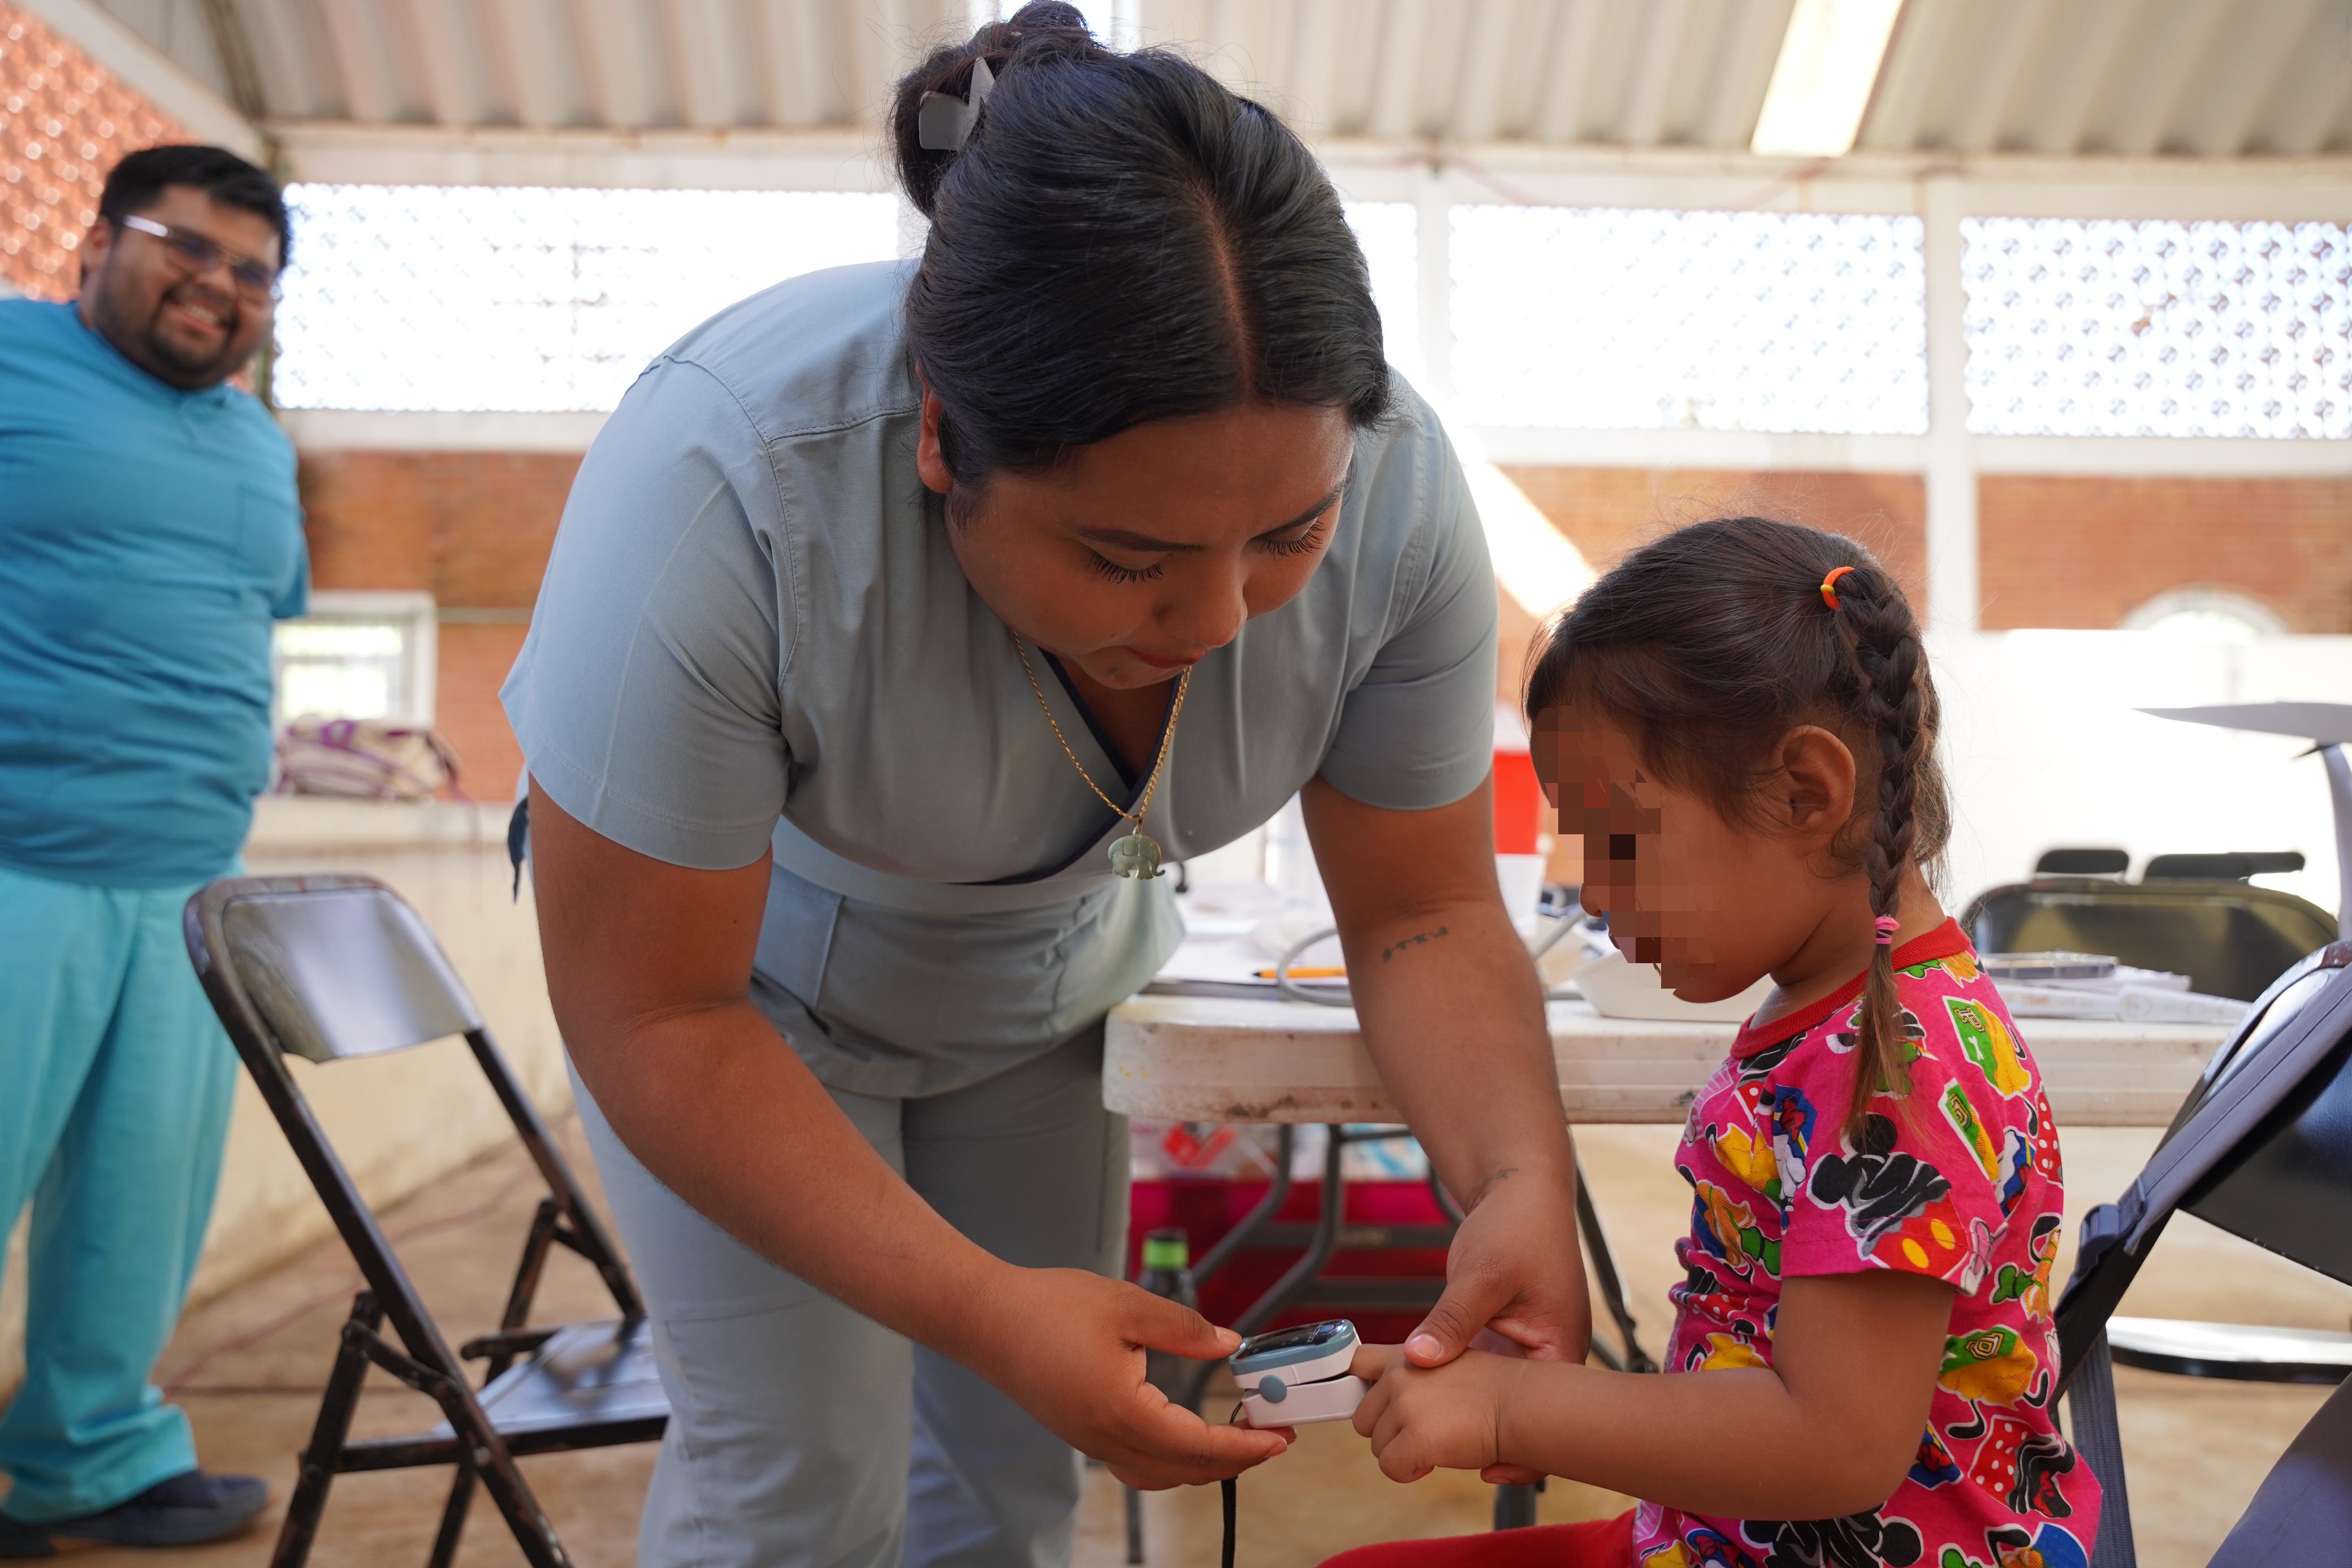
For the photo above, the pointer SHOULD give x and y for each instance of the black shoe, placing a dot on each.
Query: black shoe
(185, 1510)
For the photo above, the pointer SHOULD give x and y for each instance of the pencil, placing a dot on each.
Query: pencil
(1298, 972)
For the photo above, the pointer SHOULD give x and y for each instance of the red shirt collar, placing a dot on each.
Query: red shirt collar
(1943, 942)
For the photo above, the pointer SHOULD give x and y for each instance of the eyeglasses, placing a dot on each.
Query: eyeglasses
(197, 255)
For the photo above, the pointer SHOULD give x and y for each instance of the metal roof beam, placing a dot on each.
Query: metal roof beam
(2249, 72)
(1559, 113)
(615, 58)
(535, 57)
(1396, 100)
(1986, 101)
(358, 45)
(704, 51)
(1752, 50)
(2071, 89)
(2172, 54)
(1661, 48)
(2313, 92)
(451, 91)
(1478, 89)
(1312, 88)
(147, 70)
(1914, 58)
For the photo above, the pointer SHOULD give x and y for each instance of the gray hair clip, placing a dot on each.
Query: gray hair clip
(942, 120)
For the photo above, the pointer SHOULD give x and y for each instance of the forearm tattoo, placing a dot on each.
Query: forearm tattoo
(1417, 939)
(1493, 1180)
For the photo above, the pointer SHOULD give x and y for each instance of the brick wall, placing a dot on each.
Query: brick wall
(473, 529)
(2085, 552)
(64, 120)
(1608, 511)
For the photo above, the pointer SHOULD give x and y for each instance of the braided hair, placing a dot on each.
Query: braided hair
(1710, 644)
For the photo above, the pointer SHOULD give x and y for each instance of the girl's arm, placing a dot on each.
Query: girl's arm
(1827, 1430)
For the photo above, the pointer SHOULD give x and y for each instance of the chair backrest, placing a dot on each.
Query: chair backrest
(2082, 862)
(2230, 938)
(336, 966)
(2236, 866)
(2262, 1147)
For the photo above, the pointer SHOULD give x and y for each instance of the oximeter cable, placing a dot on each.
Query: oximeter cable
(1229, 1489)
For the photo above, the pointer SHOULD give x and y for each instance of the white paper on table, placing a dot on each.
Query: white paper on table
(1236, 961)
(2141, 1004)
(2036, 999)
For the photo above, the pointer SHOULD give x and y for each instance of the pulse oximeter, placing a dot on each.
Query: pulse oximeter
(1295, 1378)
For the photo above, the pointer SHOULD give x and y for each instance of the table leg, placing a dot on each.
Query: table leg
(1603, 1264)
(1319, 1248)
(1240, 1235)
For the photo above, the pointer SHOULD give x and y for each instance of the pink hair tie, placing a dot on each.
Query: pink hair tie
(1887, 924)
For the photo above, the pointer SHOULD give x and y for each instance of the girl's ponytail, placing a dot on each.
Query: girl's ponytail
(1883, 640)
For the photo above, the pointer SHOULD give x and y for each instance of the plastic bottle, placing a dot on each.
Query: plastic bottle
(1167, 1272)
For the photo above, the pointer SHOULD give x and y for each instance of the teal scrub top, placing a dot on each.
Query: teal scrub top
(753, 634)
(148, 538)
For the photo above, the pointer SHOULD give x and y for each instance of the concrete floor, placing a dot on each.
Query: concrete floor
(248, 1367)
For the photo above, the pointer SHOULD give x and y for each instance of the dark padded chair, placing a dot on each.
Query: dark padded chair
(2261, 1148)
(2235, 865)
(334, 968)
(2231, 939)
(2082, 862)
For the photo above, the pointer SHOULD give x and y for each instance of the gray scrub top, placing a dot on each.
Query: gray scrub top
(754, 634)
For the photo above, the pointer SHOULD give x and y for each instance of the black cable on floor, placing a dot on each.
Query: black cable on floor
(1230, 1490)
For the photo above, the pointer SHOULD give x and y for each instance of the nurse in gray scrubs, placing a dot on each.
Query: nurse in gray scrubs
(898, 611)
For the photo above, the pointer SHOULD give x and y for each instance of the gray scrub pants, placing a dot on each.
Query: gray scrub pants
(803, 1435)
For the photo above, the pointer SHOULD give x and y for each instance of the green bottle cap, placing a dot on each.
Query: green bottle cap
(1163, 1249)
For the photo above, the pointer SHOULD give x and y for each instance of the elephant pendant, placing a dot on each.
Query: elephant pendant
(1136, 855)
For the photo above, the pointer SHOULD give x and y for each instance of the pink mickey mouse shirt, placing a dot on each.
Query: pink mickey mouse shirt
(1962, 1184)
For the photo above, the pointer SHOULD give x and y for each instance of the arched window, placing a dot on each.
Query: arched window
(2207, 614)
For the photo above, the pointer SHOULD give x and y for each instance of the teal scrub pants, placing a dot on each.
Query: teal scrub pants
(115, 1084)
(804, 1435)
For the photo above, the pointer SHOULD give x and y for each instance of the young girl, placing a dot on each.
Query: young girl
(1740, 721)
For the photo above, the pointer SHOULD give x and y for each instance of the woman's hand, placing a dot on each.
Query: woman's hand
(1515, 1268)
(1429, 1418)
(1514, 1277)
(1068, 1346)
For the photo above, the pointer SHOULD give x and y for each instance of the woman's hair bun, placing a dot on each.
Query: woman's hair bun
(1040, 27)
(1118, 238)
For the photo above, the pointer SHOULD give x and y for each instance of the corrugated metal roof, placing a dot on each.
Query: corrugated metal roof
(2208, 78)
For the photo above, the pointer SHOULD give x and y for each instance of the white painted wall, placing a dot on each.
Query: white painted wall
(2044, 747)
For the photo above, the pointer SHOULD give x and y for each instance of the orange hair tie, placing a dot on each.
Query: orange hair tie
(1829, 585)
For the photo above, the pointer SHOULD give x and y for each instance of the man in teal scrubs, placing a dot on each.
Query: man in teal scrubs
(149, 534)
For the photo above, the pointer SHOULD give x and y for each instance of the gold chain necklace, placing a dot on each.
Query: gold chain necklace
(1136, 854)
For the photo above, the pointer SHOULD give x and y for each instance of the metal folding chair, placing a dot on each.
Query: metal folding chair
(334, 968)
(2261, 1148)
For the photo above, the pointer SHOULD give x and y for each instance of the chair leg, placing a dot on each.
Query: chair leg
(1603, 1264)
(534, 1532)
(453, 1518)
(1515, 1506)
(1134, 1524)
(324, 1452)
